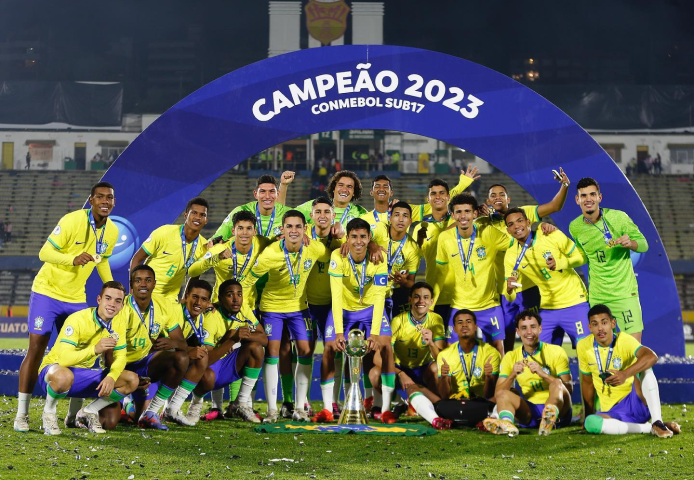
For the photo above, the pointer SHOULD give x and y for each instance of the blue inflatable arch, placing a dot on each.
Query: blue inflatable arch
(377, 87)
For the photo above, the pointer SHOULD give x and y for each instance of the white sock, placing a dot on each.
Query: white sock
(326, 390)
(651, 393)
(423, 406)
(387, 394)
(271, 377)
(217, 397)
(23, 404)
(337, 386)
(98, 404)
(244, 396)
(177, 399)
(302, 379)
(74, 406)
(197, 400)
(51, 404)
(610, 426)
(378, 398)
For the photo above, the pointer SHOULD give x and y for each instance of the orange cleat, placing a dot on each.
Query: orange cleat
(368, 403)
(388, 417)
(324, 416)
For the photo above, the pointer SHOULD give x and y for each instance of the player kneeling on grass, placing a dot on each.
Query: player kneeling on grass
(468, 371)
(542, 372)
(610, 364)
(418, 337)
(231, 322)
(67, 369)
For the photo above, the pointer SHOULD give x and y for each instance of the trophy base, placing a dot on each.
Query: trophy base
(352, 417)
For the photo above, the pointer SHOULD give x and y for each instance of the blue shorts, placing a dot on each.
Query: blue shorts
(490, 321)
(142, 395)
(298, 324)
(572, 320)
(629, 409)
(83, 386)
(225, 370)
(319, 316)
(536, 410)
(141, 366)
(415, 373)
(46, 312)
(362, 321)
(526, 300)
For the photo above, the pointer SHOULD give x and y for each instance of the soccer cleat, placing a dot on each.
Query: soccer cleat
(400, 409)
(549, 418)
(287, 410)
(21, 424)
(300, 415)
(388, 417)
(442, 423)
(368, 403)
(271, 417)
(660, 430)
(324, 416)
(70, 421)
(309, 409)
(151, 420)
(500, 427)
(178, 417)
(674, 427)
(213, 414)
(50, 424)
(232, 410)
(336, 409)
(247, 414)
(194, 411)
(375, 413)
(411, 412)
(90, 421)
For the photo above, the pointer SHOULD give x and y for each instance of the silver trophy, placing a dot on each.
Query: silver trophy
(353, 412)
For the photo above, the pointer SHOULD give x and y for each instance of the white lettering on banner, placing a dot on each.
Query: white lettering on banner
(385, 81)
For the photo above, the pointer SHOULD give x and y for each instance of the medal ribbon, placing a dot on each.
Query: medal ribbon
(466, 260)
(237, 274)
(609, 356)
(528, 242)
(361, 284)
(315, 236)
(103, 324)
(376, 216)
(136, 307)
(468, 374)
(100, 240)
(607, 234)
(260, 220)
(188, 261)
(392, 258)
(199, 331)
(287, 259)
(345, 213)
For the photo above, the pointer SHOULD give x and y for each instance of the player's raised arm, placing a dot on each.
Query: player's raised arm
(467, 177)
(285, 180)
(557, 203)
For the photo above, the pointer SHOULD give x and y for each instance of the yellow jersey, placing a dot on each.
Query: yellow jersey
(429, 248)
(224, 269)
(374, 218)
(475, 289)
(459, 384)
(193, 328)
(216, 324)
(408, 347)
(139, 335)
(318, 288)
(282, 293)
(399, 259)
(561, 288)
(164, 249)
(345, 290)
(72, 236)
(497, 221)
(81, 332)
(420, 212)
(623, 357)
(554, 362)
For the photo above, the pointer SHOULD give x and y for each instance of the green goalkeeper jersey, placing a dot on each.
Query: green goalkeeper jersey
(610, 273)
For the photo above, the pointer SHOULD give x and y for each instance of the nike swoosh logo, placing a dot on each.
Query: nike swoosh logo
(79, 243)
(454, 373)
(454, 254)
(167, 253)
(591, 364)
(429, 239)
(585, 243)
(523, 266)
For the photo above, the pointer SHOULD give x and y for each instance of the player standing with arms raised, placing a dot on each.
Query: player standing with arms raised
(82, 240)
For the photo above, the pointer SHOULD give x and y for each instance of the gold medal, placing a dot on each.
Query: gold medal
(514, 274)
(114, 336)
(97, 258)
(419, 327)
(361, 300)
(611, 243)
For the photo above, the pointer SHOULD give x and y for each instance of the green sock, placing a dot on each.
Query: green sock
(506, 415)
(287, 387)
(234, 389)
(249, 372)
(54, 394)
(387, 379)
(116, 396)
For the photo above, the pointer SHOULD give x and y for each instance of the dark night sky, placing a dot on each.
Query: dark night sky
(82, 40)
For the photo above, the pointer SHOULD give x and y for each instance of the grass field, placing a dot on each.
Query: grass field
(229, 448)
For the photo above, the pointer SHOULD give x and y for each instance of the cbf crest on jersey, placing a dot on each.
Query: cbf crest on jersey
(156, 328)
(481, 253)
(477, 372)
(617, 363)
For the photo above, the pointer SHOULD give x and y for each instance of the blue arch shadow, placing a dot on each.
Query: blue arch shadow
(516, 130)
